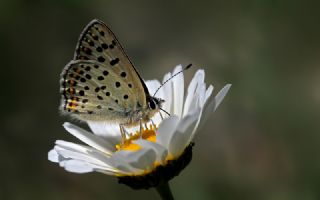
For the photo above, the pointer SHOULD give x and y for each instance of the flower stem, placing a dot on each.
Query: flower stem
(164, 191)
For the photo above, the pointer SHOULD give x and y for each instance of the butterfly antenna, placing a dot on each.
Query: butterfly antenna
(187, 67)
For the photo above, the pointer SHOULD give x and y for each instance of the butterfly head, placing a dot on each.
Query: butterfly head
(154, 105)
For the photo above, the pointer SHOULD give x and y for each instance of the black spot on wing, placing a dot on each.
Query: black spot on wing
(101, 59)
(117, 84)
(114, 61)
(123, 74)
(99, 49)
(105, 72)
(104, 45)
(81, 93)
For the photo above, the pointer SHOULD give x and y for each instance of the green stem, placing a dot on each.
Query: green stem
(165, 191)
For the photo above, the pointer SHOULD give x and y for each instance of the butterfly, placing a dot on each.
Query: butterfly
(102, 84)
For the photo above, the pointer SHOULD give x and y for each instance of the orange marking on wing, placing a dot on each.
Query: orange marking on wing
(72, 104)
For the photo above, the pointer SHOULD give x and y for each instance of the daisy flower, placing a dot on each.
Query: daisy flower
(157, 154)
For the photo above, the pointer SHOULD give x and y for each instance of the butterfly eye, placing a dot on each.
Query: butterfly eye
(152, 104)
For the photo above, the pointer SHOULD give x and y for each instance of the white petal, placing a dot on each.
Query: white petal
(198, 98)
(142, 159)
(77, 166)
(201, 92)
(196, 80)
(53, 156)
(209, 92)
(184, 123)
(211, 104)
(178, 91)
(205, 111)
(161, 152)
(68, 154)
(109, 131)
(220, 96)
(182, 137)
(167, 91)
(81, 152)
(166, 129)
(152, 86)
(64, 152)
(90, 139)
(120, 162)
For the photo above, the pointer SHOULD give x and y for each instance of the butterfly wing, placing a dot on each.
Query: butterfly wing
(98, 42)
(95, 92)
(101, 83)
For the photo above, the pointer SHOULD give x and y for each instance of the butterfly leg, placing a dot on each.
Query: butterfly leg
(153, 124)
(161, 115)
(140, 128)
(123, 134)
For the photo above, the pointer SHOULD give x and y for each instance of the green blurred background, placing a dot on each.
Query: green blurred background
(262, 143)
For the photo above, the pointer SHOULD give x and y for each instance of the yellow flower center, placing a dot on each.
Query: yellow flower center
(146, 133)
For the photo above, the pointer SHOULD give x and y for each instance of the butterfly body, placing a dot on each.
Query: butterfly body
(101, 83)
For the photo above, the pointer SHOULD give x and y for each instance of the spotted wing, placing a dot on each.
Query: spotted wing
(92, 91)
(99, 50)
(97, 42)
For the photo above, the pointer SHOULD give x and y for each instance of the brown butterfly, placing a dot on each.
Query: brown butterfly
(101, 83)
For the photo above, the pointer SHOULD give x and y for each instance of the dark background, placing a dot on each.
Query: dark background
(262, 143)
